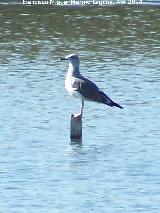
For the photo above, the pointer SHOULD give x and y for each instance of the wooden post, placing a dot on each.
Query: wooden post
(76, 128)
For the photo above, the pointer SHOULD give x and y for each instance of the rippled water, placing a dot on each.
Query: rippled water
(116, 168)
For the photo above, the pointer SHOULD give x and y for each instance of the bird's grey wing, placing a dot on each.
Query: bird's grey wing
(90, 91)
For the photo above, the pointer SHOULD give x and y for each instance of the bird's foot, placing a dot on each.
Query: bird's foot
(78, 116)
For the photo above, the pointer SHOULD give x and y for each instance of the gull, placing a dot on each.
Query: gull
(81, 87)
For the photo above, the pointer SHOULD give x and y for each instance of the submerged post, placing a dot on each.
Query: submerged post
(76, 128)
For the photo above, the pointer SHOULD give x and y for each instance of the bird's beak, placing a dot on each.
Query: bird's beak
(62, 59)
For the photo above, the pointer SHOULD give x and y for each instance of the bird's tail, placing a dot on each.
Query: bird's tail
(115, 104)
(106, 100)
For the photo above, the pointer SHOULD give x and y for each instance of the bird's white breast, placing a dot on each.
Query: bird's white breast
(72, 91)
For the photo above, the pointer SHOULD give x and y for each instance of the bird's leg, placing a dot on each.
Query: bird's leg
(79, 115)
(82, 107)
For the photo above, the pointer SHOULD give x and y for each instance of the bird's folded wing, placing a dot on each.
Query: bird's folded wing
(89, 90)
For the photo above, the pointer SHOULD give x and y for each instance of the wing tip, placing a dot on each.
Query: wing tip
(113, 104)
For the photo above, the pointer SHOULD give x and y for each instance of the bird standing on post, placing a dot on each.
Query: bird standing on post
(82, 88)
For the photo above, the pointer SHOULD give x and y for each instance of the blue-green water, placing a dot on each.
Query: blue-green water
(116, 168)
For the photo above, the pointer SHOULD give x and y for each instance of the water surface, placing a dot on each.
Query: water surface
(116, 168)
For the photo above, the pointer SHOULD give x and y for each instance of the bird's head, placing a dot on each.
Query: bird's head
(72, 58)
